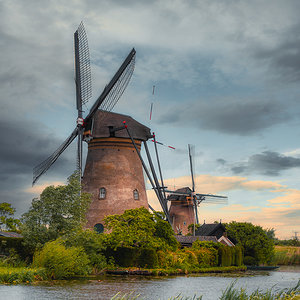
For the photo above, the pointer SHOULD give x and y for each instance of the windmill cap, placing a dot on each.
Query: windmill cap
(114, 120)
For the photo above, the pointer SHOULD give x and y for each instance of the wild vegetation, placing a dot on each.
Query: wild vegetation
(287, 255)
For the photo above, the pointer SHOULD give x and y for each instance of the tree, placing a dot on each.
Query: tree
(258, 247)
(6, 220)
(139, 228)
(57, 211)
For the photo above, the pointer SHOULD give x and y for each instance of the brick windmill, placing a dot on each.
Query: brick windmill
(112, 174)
(184, 202)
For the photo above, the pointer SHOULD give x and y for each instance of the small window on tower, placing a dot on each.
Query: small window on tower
(102, 193)
(136, 194)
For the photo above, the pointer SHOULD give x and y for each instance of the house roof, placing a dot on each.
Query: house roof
(209, 229)
(188, 239)
(226, 241)
(10, 234)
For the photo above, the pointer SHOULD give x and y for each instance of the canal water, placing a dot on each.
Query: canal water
(153, 288)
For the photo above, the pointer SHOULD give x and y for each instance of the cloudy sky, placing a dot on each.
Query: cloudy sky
(227, 80)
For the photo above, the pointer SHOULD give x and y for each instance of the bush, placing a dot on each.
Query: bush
(61, 262)
(9, 243)
(207, 257)
(238, 256)
(93, 244)
(19, 275)
(250, 261)
(148, 258)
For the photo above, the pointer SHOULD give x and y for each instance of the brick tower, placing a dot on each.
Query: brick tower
(113, 172)
(181, 211)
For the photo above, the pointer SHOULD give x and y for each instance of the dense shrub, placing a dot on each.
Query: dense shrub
(207, 257)
(61, 262)
(124, 256)
(7, 244)
(19, 275)
(249, 261)
(94, 245)
(148, 258)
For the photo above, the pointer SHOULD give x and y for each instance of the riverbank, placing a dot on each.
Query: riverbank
(105, 287)
(11, 275)
(173, 271)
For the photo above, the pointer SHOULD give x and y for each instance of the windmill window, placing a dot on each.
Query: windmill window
(102, 193)
(136, 194)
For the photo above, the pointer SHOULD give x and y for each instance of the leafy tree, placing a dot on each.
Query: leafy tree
(270, 232)
(139, 228)
(253, 239)
(6, 220)
(57, 211)
(94, 245)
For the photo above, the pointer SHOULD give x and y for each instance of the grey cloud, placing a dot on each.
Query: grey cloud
(238, 116)
(267, 163)
(24, 145)
(284, 57)
(221, 161)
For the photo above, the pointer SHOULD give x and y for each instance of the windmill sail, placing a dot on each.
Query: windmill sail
(115, 88)
(40, 169)
(106, 101)
(83, 76)
(83, 84)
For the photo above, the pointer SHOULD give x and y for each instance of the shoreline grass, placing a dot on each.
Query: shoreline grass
(174, 271)
(15, 275)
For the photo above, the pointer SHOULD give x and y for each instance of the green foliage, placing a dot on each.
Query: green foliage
(254, 241)
(148, 258)
(249, 261)
(139, 228)
(291, 242)
(9, 244)
(58, 211)
(61, 262)
(164, 231)
(6, 220)
(21, 275)
(94, 245)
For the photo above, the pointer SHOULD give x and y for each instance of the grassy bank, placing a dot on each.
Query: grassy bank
(287, 255)
(175, 271)
(231, 293)
(11, 275)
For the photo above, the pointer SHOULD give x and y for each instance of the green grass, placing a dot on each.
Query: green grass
(287, 255)
(11, 275)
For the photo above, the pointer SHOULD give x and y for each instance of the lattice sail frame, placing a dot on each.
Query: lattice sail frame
(85, 80)
(118, 89)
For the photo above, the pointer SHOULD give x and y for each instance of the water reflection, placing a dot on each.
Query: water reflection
(105, 287)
